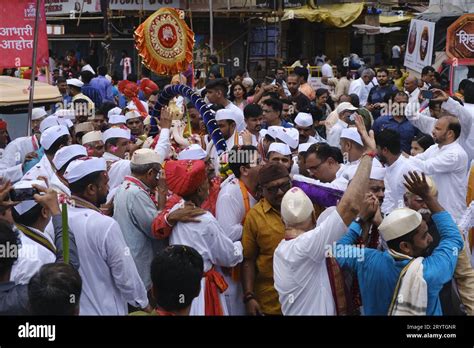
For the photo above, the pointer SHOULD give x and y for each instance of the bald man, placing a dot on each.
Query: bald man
(447, 163)
(411, 87)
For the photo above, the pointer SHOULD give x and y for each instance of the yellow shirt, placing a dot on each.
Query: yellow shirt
(263, 231)
(399, 82)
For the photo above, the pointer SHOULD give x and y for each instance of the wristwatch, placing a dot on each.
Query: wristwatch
(359, 220)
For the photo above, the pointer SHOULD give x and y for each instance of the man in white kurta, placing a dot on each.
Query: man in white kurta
(44, 168)
(188, 178)
(300, 273)
(110, 278)
(447, 164)
(234, 201)
(425, 122)
(227, 121)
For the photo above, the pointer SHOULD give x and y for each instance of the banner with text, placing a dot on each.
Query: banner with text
(146, 5)
(419, 47)
(17, 24)
(61, 7)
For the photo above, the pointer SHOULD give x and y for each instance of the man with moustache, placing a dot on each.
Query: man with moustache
(263, 231)
(253, 115)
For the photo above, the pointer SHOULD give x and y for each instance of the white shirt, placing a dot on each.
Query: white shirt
(300, 272)
(425, 122)
(110, 279)
(361, 89)
(396, 51)
(394, 188)
(31, 256)
(326, 70)
(58, 186)
(42, 168)
(447, 165)
(211, 242)
(14, 156)
(230, 208)
(118, 170)
(413, 96)
(334, 134)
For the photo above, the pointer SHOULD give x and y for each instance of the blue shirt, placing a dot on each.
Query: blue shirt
(104, 87)
(379, 94)
(92, 93)
(378, 271)
(406, 130)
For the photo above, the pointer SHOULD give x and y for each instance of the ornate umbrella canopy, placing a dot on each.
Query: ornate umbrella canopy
(165, 42)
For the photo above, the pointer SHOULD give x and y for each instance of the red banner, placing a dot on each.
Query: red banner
(17, 26)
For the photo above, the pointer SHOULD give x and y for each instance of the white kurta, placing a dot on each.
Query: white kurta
(58, 186)
(300, 273)
(42, 168)
(448, 168)
(210, 240)
(110, 279)
(334, 134)
(361, 89)
(425, 122)
(14, 156)
(212, 151)
(230, 211)
(31, 257)
(118, 170)
(394, 188)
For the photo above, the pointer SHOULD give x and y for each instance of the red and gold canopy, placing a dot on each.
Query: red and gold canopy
(165, 42)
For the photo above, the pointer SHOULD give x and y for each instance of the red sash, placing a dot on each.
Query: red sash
(215, 284)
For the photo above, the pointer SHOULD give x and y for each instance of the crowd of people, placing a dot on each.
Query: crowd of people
(346, 200)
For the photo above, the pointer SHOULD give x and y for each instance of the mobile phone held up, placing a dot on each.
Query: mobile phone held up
(23, 194)
(427, 94)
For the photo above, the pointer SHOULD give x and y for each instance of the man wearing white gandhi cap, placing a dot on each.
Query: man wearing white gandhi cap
(117, 147)
(305, 126)
(227, 122)
(302, 271)
(92, 141)
(53, 139)
(280, 152)
(37, 247)
(109, 276)
(61, 160)
(134, 210)
(11, 163)
(420, 278)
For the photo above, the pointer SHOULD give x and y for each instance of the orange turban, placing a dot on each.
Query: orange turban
(148, 86)
(183, 177)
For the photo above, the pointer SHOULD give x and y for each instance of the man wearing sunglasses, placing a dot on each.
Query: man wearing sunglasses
(263, 231)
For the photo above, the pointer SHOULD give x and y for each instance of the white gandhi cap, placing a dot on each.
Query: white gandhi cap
(399, 222)
(280, 148)
(304, 119)
(351, 133)
(52, 134)
(192, 152)
(66, 153)
(146, 156)
(296, 207)
(91, 137)
(84, 166)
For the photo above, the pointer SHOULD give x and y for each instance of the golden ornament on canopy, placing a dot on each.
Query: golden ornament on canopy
(165, 42)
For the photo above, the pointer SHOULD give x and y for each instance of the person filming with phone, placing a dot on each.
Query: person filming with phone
(34, 207)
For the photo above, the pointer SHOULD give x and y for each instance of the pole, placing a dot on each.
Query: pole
(33, 66)
(211, 28)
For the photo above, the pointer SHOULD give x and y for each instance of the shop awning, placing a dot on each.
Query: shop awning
(371, 30)
(395, 19)
(337, 15)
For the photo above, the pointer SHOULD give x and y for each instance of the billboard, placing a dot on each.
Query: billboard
(419, 47)
(17, 24)
(460, 38)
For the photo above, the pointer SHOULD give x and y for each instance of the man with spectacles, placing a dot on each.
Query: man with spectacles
(134, 210)
(263, 231)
